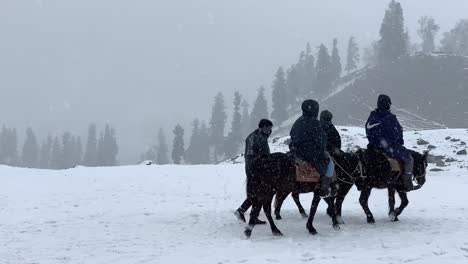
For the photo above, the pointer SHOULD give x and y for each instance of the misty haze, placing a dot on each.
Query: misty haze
(107, 105)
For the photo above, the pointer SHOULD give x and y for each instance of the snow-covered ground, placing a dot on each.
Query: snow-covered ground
(183, 214)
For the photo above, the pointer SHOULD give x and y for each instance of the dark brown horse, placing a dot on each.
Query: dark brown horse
(346, 165)
(277, 173)
(366, 169)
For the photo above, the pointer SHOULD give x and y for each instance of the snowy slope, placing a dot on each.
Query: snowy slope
(183, 214)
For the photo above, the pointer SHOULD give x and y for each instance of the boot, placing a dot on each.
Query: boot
(325, 185)
(408, 182)
(240, 215)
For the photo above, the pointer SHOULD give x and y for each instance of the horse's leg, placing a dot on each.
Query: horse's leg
(340, 197)
(279, 199)
(295, 196)
(391, 203)
(403, 205)
(331, 206)
(267, 210)
(313, 210)
(363, 200)
(254, 212)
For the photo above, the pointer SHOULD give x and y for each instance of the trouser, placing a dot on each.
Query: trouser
(246, 205)
(330, 169)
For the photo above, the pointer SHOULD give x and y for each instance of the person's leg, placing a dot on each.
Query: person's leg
(408, 174)
(326, 179)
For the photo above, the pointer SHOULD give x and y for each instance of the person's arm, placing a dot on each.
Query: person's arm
(398, 131)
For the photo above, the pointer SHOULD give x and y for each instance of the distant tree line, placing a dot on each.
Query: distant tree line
(59, 152)
(314, 75)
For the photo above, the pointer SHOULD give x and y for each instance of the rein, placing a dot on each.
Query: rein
(350, 175)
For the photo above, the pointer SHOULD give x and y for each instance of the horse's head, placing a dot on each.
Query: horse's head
(419, 170)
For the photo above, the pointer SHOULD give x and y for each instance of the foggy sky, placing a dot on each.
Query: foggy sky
(143, 64)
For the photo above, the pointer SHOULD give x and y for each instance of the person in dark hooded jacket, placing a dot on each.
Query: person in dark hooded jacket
(384, 132)
(256, 147)
(333, 137)
(309, 142)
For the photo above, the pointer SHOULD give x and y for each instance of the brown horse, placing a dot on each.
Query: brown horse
(277, 173)
(366, 169)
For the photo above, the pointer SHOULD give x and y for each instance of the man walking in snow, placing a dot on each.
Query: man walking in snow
(385, 132)
(256, 147)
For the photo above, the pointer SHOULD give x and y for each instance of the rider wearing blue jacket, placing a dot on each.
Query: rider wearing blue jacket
(385, 132)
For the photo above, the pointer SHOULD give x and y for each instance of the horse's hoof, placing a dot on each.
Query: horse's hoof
(336, 227)
(278, 217)
(313, 231)
(277, 233)
(304, 215)
(392, 216)
(370, 220)
(247, 233)
(339, 219)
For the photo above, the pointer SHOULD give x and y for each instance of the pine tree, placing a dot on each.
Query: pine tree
(260, 109)
(9, 146)
(163, 151)
(178, 150)
(77, 151)
(456, 40)
(192, 153)
(68, 147)
(308, 74)
(245, 119)
(218, 123)
(234, 137)
(293, 86)
(100, 151)
(204, 144)
(324, 71)
(45, 153)
(393, 42)
(427, 31)
(353, 56)
(90, 157)
(279, 98)
(111, 146)
(336, 61)
(30, 150)
(56, 155)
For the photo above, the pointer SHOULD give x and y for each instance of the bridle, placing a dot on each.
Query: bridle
(350, 175)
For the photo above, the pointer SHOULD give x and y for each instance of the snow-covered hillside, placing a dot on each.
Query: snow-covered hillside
(183, 214)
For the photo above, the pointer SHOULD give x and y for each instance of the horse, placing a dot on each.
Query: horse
(277, 173)
(352, 169)
(377, 173)
(346, 165)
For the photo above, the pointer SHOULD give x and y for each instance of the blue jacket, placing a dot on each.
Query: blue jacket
(385, 132)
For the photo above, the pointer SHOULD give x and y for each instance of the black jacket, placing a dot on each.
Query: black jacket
(256, 145)
(333, 137)
(309, 141)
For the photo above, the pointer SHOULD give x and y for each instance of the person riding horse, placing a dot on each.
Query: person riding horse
(256, 147)
(309, 142)
(385, 133)
(333, 140)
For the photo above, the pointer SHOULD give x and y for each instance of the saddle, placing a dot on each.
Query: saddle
(305, 172)
(395, 166)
